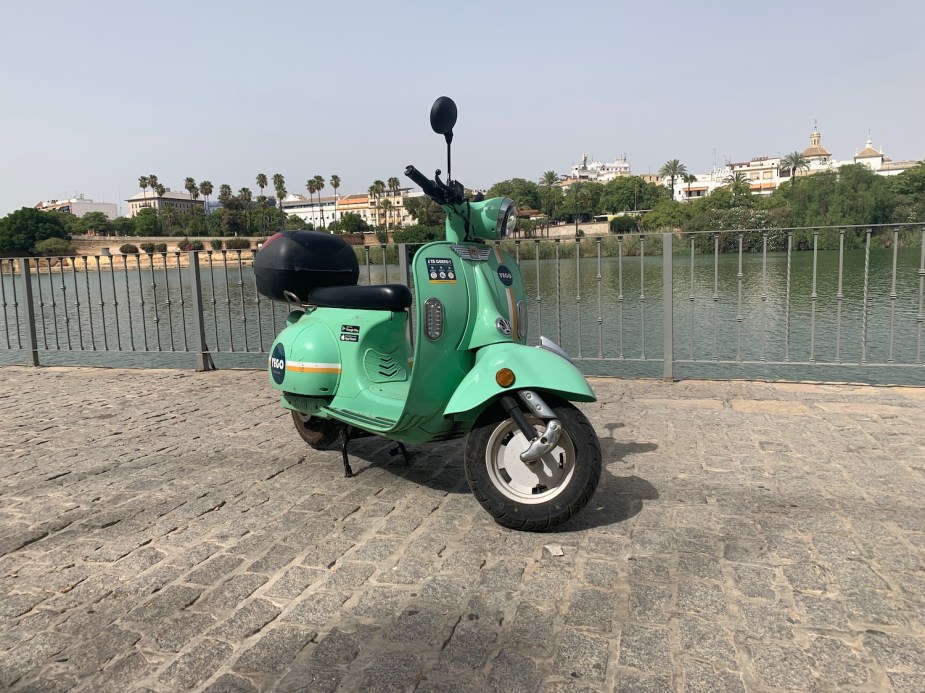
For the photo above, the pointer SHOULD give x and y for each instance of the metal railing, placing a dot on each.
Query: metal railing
(707, 308)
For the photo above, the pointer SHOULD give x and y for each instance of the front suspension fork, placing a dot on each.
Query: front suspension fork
(540, 443)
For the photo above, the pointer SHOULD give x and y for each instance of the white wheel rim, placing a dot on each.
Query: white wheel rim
(530, 484)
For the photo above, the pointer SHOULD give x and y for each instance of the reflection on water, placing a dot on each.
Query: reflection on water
(609, 319)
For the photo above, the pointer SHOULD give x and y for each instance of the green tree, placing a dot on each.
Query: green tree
(95, 222)
(146, 223)
(246, 197)
(672, 169)
(375, 191)
(551, 192)
(279, 185)
(525, 193)
(425, 211)
(738, 185)
(224, 193)
(394, 187)
(143, 183)
(351, 222)
(261, 201)
(689, 178)
(386, 206)
(123, 226)
(319, 186)
(312, 186)
(22, 229)
(191, 187)
(205, 187)
(55, 247)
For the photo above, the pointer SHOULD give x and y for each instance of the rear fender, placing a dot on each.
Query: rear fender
(534, 369)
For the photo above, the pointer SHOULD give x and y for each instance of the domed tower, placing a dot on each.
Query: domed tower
(815, 153)
(870, 157)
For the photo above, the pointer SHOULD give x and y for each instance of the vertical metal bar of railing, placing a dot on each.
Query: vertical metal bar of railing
(921, 316)
(157, 319)
(620, 289)
(642, 297)
(385, 265)
(28, 309)
(787, 309)
(668, 304)
(578, 289)
(839, 294)
(115, 299)
(600, 303)
(369, 269)
(715, 296)
(558, 298)
(182, 303)
(243, 304)
(204, 360)
(539, 298)
(67, 319)
(15, 304)
(227, 300)
(813, 296)
(89, 302)
(99, 281)
(38, 281)
(259, 321)
(893, 294)
(740, 276)
(6, 322)
(141, 303)
(54, 304)
(517, 251)
(690, 298)
(864, 302)
(80, 329)
(214, 302)
(764, 296)
(167, 303)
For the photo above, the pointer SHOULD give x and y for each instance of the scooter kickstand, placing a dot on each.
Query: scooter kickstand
(348, 472)
(404, 451)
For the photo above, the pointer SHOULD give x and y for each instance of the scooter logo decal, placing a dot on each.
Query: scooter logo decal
(440, 270)
(278, 364)
(505, 275)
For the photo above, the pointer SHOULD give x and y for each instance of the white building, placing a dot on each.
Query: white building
(598, 171)
(79, 206)
(150, 199)
(322, 212)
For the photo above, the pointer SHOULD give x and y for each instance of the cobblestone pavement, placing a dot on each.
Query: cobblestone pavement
(166, 530)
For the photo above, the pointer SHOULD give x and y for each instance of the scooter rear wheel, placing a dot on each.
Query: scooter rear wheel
(538, 496)
(321, 434)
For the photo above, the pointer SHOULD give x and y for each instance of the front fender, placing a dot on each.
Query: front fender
(534, 369)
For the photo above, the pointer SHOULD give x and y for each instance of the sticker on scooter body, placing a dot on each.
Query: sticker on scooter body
(278, 364)
(350, 329)
(505, 275)
(440, 270)
(349, 337)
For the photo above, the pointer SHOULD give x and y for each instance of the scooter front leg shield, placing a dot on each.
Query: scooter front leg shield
(533, 368)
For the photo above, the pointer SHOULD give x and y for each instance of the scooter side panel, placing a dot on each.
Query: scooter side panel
(304, 359)
(534, 369)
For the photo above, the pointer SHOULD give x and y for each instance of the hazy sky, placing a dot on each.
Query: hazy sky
(96, 94)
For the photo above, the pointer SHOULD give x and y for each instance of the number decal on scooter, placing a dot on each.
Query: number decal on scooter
(440, 270)
(278, 364)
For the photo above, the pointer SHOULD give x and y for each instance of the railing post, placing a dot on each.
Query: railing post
(404, 276)
(203, 357)
(29, 309)
(668, 304)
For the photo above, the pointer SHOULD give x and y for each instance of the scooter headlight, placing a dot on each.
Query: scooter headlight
(507, 218)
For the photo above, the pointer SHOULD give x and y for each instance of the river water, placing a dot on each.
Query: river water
(580, 307)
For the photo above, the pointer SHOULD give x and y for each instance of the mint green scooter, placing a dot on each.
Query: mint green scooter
(345, 368)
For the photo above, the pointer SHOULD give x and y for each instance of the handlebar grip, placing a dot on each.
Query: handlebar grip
(426, 184)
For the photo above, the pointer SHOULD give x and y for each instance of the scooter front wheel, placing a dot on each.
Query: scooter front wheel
(321, 434)
(532, 496)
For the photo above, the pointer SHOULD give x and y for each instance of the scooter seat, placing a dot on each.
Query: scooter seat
(393, 297)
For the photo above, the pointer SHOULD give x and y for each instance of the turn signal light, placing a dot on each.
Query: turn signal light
(504, 377)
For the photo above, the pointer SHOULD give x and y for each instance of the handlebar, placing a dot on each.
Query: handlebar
(439, 192)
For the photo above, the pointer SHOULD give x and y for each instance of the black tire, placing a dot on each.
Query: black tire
(573, 468)
(321, 434)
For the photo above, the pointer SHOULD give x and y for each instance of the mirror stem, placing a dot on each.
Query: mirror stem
(449, 170)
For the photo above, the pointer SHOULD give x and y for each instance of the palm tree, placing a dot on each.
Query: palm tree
(394, 185)
(160, 190)
(738, 184)
(205, 187)
(245, 195)
(279, 184)
(190, 185)
(387, 208)
(795, 162)
(224, 192)
(548, 182)
(376, 190)
(672, 169)
(689, 178)
(143, 183)
(319, 186)
(311, 185)
(335, 184)
(262, 183)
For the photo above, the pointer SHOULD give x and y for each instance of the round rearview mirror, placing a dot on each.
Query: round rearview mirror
(443, 115)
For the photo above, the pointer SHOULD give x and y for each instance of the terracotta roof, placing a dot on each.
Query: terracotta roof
(816, 150)
(868, 152)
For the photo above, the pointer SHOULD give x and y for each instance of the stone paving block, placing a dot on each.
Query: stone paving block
(582, 657)
(393, 672)
(245, 621)
(646, 648)
(275, 650)
(18, 662)
(706, 640)
(229, 683)
(514, 673)
(700, 677)
(593, 609)
(469, 646)
(316, 608)
(196, 665)
(781, 666)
